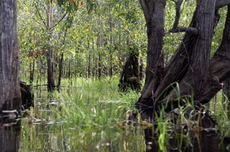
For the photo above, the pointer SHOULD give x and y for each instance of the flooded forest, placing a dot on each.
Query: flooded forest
(114, 75)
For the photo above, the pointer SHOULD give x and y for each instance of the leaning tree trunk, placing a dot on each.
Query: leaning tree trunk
(198, 77)
(9, 57)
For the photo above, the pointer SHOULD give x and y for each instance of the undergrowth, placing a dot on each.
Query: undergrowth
(93, 111)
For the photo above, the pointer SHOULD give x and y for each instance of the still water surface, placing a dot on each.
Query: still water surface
(47, 135)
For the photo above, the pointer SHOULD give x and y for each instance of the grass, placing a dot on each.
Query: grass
(87, 115)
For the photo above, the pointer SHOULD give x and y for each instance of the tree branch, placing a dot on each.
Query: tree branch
(145, 9)
(222, 3)
(175, 28)
(176, 22)
(191, 30)
(43, 21)
(59, 20)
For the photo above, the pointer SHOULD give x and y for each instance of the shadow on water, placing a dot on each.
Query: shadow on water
(10, 136)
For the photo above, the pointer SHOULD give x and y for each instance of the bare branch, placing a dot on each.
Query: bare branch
(222, 3)
(176, 22)
(59, 20)
(145, 9)
(185, 29)
(43, 21)
(37, 21)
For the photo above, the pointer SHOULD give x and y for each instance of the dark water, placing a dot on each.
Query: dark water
(10, 136)
(204, 141)
(50, 136)
(56, 137)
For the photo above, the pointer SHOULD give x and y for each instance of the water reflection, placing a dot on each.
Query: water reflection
(204, 141)
(10, 136)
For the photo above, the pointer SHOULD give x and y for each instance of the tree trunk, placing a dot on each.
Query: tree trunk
(9, 57)
(226, 88)
(69, 71)
(50, 70)
(129, 78)
(155, 61)
(51, 84)
(60, 70)
(61, 63)
(196, 76)
(32, 72)
(99, 65)
(111, 42)
(89, 63)
(141, 73)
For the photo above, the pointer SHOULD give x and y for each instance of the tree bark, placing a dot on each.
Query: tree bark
(50, 70)
(60, 70)
(9, 57)
(197, 76)
(198, 65)
(154, 12)
(32, 64)
(219, 69)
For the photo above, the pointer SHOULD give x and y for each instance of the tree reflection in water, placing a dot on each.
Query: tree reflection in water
(10, 136)
(206, 141)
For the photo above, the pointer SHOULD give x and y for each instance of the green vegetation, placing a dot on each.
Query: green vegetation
(88, 112)
(89, 115)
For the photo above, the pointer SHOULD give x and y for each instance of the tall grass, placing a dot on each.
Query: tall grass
(87, 112)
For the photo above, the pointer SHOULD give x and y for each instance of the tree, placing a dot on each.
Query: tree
(129, 78)
(9, 57)
(197, 76)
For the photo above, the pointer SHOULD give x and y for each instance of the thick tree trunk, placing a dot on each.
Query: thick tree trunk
(198, 77)
(154, 12)
(50, 70)
(9, 57)
(219, 68)
(226, 88)
(51, 84)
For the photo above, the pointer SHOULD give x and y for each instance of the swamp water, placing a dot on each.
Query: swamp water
(99, 126)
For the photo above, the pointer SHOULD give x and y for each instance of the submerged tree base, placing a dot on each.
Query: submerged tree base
(187, 128)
